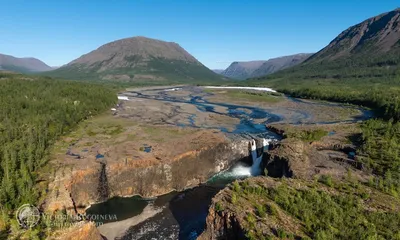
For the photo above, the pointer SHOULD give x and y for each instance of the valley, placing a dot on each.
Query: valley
(161, 154)
(134, 137)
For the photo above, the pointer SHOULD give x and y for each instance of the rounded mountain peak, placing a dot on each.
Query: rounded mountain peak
(118, 51)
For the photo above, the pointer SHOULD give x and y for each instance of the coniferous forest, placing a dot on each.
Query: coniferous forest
(34, 112)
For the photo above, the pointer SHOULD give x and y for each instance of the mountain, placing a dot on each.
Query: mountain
(366, 52)
(218, 71)
(22, 65)
(241, 70)
(139, 59)
(374, 36)
(280, 63)
(360, 66)
(244, 70)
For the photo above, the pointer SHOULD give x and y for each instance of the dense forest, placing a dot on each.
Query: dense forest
(320, 209)
(34, 112)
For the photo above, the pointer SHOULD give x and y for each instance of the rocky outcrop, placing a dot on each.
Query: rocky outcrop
(288, 159)
(222, 225)
(228, 217)
(298, 159)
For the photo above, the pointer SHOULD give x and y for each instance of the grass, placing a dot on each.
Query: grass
(306, 135)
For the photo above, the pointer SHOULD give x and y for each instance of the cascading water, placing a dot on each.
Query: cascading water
(243, 170)
(255, 167)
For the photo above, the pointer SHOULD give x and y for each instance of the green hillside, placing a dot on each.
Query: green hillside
(360, 67)
(162, 71)
(139, 60)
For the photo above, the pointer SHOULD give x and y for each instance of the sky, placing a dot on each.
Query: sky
(216, 32)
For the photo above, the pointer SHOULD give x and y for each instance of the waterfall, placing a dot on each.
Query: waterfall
(255, 167)
(241, 170)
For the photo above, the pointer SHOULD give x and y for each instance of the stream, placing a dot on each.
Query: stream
(182, 215)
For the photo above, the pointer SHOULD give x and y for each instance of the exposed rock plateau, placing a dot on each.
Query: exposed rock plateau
(76, 187)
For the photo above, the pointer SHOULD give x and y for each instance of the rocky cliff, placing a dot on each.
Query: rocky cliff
(83, 187)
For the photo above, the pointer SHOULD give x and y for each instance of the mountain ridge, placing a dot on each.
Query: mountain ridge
(241, 70)
(351, 70)
(280, 63)
(376, 35)
(22, 65)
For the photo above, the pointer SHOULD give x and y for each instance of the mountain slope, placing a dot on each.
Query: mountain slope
(241, 70)
(138, 59)
(218, 71)
(276, 64)
(244, 70)
(369, 51)
(361, 66)
(22, 65)
(376, 35)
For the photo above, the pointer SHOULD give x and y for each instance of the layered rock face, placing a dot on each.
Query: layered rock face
(128, 178)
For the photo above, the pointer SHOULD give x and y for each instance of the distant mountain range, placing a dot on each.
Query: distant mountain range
(218, 71)
(368, 51)
(280, 63)
(138, 59)
(22, 65)
(374, 42)
(244, 70)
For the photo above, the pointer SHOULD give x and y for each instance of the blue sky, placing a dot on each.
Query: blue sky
(215, 32)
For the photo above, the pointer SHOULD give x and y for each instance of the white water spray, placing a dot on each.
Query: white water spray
(242, 170)
(255, 167)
